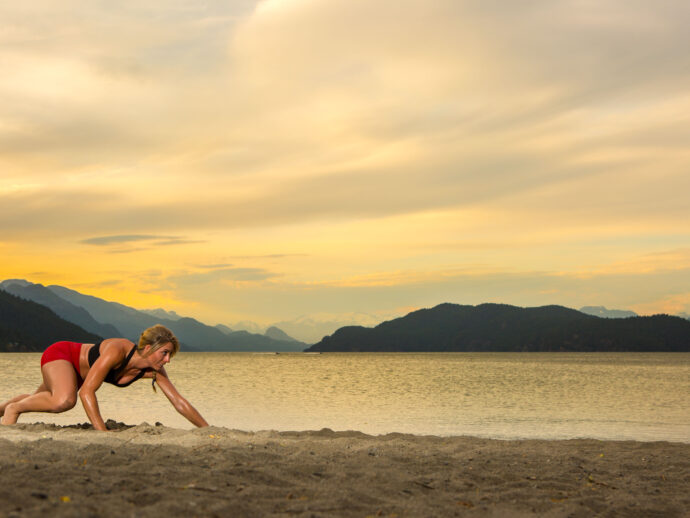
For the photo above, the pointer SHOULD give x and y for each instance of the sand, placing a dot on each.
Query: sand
(147, 470)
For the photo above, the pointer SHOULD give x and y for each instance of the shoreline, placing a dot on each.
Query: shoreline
(146, 470)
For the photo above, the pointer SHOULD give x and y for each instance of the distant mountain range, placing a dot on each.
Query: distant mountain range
(161, 313)
(278, 334)
(32, 316)
(312, 328)
(602, 312)
(111, 319)
(60, 306)
(26, 326)
(498, 327)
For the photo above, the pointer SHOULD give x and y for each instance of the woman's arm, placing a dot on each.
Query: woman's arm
(109, 357)
(181, 404)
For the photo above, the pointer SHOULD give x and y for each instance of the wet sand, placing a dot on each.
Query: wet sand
(146, 470)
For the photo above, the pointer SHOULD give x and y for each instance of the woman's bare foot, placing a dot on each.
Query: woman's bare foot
(10, 415)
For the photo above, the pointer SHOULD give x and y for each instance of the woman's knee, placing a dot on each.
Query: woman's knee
(64, 403)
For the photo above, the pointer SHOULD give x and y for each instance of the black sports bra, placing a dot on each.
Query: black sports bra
(114, 374)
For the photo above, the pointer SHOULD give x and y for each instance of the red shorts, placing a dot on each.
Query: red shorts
(64, 351)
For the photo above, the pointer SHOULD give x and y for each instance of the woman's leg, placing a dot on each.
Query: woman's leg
(19, 398)
(13, 400)
(58, 393)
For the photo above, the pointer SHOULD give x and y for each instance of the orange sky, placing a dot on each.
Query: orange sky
(265, 160)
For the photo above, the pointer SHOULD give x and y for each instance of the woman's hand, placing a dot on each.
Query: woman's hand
(90, 403)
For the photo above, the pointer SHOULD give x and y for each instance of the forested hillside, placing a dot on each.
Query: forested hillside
(27, 326)
(504, 328)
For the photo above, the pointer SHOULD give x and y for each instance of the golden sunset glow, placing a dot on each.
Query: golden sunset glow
(265, 160)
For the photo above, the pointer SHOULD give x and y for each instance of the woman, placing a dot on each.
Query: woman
(69, 368)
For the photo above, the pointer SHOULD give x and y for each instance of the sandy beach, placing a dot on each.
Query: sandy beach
(150, 470)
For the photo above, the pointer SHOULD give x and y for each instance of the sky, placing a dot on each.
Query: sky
(265, 160)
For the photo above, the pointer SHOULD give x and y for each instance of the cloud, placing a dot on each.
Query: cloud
(101, 284)
(109, 240)
(219, 277)
(454, 54)
(137, 238)
(171, 241)
(127, 250)
(302, 111)
(213, 266)
(105, 88)
(540, 135)
(267, 256)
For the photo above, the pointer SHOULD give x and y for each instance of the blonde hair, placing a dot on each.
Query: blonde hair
(157, 336)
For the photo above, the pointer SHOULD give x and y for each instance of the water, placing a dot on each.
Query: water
(617, 396)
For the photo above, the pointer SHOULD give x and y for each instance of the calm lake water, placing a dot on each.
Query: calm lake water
(500, 395)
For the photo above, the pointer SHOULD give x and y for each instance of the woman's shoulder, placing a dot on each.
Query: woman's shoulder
(117, 344)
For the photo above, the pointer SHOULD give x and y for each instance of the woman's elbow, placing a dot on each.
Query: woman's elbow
(182, 406)
(86, 395)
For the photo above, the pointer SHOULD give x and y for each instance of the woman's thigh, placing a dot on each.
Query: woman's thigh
(59, 378)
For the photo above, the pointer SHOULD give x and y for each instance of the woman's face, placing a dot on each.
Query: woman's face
(161, 356)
